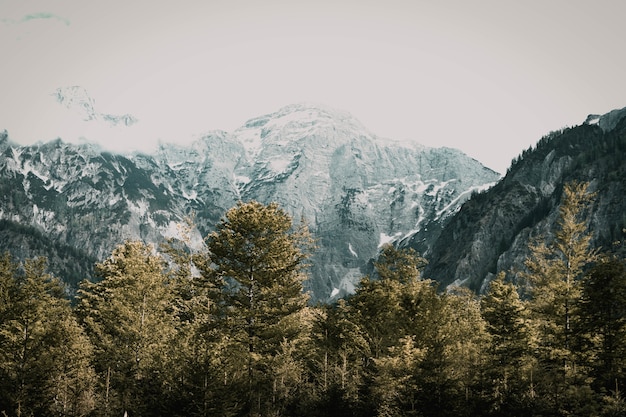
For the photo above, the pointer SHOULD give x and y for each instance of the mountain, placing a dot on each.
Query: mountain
(355, 190)
(492, 230)
(76, 99)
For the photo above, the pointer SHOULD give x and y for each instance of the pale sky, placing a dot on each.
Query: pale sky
(489, 77)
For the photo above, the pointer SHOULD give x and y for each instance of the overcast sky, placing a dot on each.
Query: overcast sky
(487, 77)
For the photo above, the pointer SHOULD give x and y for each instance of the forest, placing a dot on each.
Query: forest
(229, 331)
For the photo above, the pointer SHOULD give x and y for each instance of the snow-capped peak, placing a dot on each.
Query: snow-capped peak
(76, 99)
(297, 120)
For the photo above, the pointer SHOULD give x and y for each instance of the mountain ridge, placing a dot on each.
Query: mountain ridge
(491, 232)
(354, 189)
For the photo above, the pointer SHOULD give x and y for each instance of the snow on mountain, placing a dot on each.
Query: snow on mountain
(354, 189)
(291, 123)
(76, 99)
(350, 185)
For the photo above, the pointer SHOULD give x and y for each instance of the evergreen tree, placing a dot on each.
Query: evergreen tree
(205, 386)
(44, 355)
(387, 308)
(128, 316)
(509, 362)
(603, 308)
(451, 371)
(402, 317)
(340, 352)
(256, 251)
(555, 272)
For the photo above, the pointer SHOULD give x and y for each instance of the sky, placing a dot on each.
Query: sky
(488, 77)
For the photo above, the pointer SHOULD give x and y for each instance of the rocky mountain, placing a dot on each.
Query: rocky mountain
(74, 203)
(492, 230)
(76, 99)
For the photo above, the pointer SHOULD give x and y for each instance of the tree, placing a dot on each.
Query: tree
(340, 350)
(44, 354)
(510, 362)
(401, 265)
(205, 385)
(451, 371)
(387, 308)
(603, 310)
(261, 257)
(128, 316)
(554, 272)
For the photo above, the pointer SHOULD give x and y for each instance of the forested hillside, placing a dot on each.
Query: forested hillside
(228, 331)
(492, 231)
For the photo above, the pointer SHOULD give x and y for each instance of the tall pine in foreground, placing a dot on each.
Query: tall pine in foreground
(261, 256)
(555, 272)
(128, 316)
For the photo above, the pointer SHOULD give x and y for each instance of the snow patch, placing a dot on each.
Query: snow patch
(384, 239)
(352, 250)
(190, 196)
(175, 166)
(139, 207)
(114, 200)
(242, 179)
(279, 165)
(470, 190)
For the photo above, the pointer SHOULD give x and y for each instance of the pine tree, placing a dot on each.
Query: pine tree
(454, 362)
(128, 316)
(256, 251)
(340, 350)
(387, 307)
(603, 310)
(510, 364)
(44, 355)
(205, 383)
(555, 272)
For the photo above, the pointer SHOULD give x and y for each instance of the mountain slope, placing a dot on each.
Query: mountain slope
(355, 190)
(491, 232)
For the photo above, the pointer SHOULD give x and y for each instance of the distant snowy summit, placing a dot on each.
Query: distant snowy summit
(303, 120)
(355, 190)
(77, 99)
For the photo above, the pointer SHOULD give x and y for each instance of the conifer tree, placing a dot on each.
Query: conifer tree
(261, 257)
(205, 386)
(555, 272)
(128, 316)
(603, 310)
(509, 363)
(454, 361)
(341, 350)
(44, 355)
(387, 307)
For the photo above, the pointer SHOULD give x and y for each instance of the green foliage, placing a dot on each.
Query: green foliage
(129, 318)
(262, 258)
(555, 273)
(44, 354)
(510, 347)
(603, 311)
(227, 331)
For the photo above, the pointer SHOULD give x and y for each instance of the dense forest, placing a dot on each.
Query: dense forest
(230, 332)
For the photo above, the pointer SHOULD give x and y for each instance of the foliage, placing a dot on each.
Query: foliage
(129, 319)
(44, 353)
(227, 331)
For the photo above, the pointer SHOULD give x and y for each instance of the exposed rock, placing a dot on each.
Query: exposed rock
(355, 190)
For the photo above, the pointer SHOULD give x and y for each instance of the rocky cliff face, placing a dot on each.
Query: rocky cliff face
(356, 191)
(491, 232)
